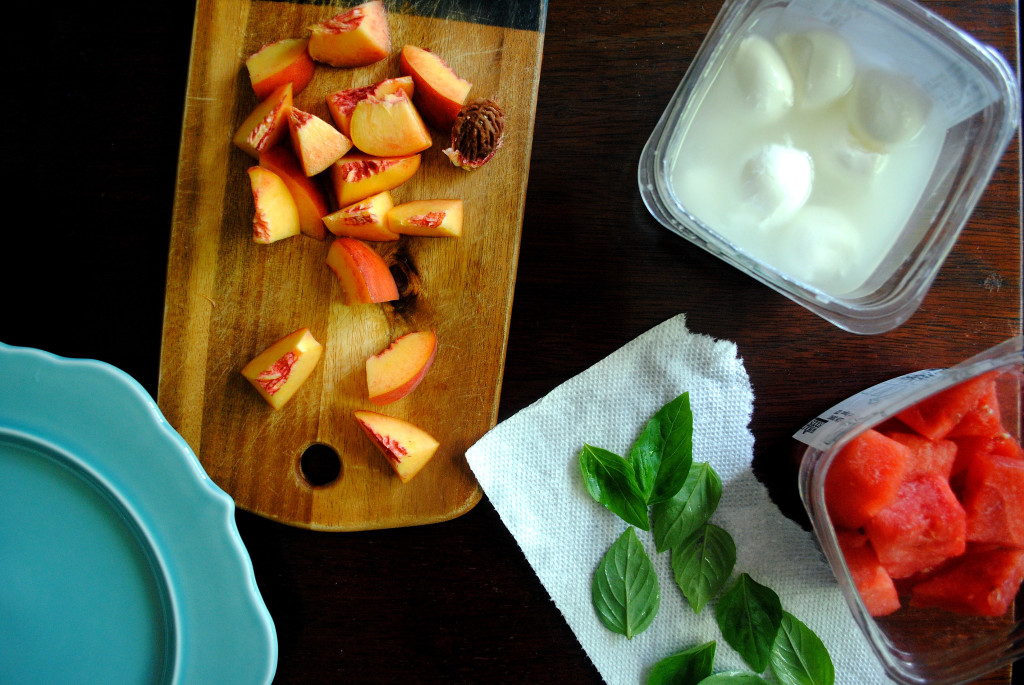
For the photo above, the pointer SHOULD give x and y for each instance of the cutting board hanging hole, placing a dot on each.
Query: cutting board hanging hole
(320, 465)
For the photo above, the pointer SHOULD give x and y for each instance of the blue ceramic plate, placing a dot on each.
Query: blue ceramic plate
(120, 561)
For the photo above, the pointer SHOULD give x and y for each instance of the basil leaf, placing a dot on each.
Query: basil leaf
(683, 668)
(645, 457)
(610, 480)
(703, 563)
(675, 420)
(749, 615)
(799, 657)
(734, 678)
(625, 589)
(691, 507)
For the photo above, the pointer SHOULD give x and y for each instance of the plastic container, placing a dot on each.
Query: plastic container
(914, 644)
(972, 109)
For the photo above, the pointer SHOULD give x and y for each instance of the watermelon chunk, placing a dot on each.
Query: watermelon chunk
(983, 582)
(934, 417)
(873, 583)
(864, 478)
(927, 456)
(1003, 445)
(967, 450)
(993, 499)
(985, 419)
(921, 528)
(971, 447)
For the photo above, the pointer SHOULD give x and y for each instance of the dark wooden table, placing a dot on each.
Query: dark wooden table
(93, 116)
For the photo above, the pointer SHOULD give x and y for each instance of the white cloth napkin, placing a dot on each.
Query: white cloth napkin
(528, 467)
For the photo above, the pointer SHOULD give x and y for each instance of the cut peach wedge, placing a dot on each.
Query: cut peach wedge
(357, 176)
(363, 274)
(275, 64)
(342, 103)
(388, 126)
(437, 218)
(366, 219)
(307, 192)
(395, 372)
(316, 143)
(355, 38)
(284, 366)
(440, 92)
(266, 124)
(406, 447)
(276, 216)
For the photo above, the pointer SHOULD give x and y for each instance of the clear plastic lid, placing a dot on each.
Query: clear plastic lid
(971, 107)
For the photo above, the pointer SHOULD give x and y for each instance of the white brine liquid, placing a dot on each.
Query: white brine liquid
(807, 160)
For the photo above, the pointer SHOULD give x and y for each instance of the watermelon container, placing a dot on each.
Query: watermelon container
(915, 490)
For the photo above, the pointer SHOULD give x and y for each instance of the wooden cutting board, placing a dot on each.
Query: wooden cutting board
(228, 298)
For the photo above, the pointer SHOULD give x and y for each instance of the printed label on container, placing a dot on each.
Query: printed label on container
(824, 430)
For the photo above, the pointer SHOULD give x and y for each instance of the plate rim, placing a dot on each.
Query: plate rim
(62, 385)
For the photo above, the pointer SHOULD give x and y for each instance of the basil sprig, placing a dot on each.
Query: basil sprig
(611, 481)
(681, 516)
(645, 457)
(799, 657)
(655, 470)
(625, 589)
(691, 665)
(702, 563)
(659, 477)
(667, 443)
(749, 615)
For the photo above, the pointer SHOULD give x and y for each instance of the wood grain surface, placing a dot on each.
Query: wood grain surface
(101, 98)
(229, 298)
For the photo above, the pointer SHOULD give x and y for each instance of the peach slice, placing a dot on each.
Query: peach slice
(316, 143)
(437, 218)
(275, 64)
(396, 371)
(363, 275)
(440, 92)
(355, 38)
(388, 126)
(276, 215)
(357, 176)
(266, 124)
(342, 103)
(366, 219)
(284, 366)
(406, 447)
(309, 197)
